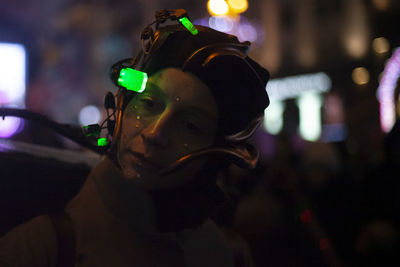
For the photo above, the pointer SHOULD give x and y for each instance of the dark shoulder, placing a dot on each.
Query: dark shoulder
(30, 244)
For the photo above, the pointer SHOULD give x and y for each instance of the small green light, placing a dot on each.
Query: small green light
(188, 25)
(132, 79)
(102, 142)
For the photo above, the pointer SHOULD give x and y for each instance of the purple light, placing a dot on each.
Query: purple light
(246, 32)
(386, 91)
(9, 126)
(3, 98)
(222, 24)
(202, 22)
(12, 85)
(239, 26)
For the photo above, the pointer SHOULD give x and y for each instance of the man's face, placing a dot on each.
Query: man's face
(176, 115)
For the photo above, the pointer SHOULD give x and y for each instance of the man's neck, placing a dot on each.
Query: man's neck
(123, 198)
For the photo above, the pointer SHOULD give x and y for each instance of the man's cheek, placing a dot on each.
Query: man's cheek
(128, 137)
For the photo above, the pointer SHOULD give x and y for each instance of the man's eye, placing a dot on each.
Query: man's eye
(148, 105)
(191, 127)
(148, 102)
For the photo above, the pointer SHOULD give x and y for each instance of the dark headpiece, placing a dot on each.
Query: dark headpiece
(221, 62)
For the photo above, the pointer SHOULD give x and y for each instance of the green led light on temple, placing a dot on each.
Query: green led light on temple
(188, 25)
(132, 79)
(102, 142)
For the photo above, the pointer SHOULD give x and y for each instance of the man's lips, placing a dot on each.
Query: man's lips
(144, 161)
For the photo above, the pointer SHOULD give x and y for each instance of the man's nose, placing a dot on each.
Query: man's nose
(156, 133)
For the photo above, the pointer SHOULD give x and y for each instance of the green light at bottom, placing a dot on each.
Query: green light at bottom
(102, 142)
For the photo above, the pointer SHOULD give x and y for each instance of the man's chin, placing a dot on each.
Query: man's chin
(143, 179)
(152, 179)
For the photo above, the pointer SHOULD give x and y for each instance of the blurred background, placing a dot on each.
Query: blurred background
(325, 193)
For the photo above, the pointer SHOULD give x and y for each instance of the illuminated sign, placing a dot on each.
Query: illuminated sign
(307, 90)
(294, 86)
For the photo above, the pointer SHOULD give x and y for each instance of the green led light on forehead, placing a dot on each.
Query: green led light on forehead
(188, 25)
(132, 79)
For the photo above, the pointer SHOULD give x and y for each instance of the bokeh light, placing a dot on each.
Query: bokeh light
(380, 45)
(381, 5)
(324, 244)
(307, 89)
(310, 115)
(356, 34)
(89, 115)
(12, 73)
(294, 86)
(221, 23)
(356, 45)
(360, 76)
(9, 126)
(305, 216)
(246, 32)
(386, 91)
(12, 84)
(238, 6)
(217, 7)
(273, 117)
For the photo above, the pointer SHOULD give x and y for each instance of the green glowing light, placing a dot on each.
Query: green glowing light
(102, 142)
(188, 25)
(132, 79)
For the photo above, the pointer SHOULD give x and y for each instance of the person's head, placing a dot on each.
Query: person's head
(203, 95)
(175, 116)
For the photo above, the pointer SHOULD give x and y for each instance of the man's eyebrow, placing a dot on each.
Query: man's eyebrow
(154, 90)
(202, 112)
